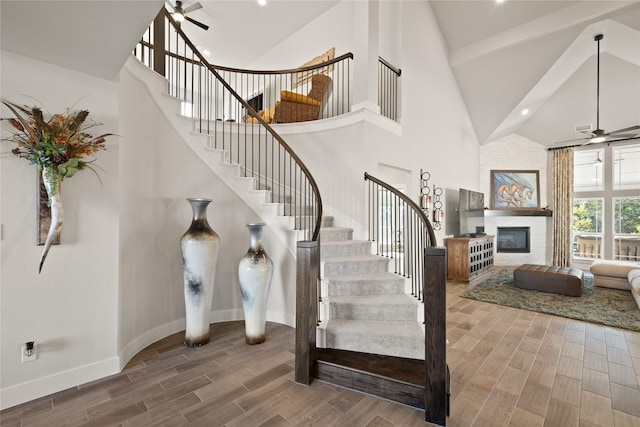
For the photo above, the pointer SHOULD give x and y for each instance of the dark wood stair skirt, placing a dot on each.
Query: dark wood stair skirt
(394, 378)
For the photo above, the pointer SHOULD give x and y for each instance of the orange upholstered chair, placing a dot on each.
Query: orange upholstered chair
(295, 107)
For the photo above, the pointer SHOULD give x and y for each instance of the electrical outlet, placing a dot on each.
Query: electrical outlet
(34, 353)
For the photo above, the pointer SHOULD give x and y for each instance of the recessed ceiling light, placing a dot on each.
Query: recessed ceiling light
(525, 112)
(262, 2)
(499, 1)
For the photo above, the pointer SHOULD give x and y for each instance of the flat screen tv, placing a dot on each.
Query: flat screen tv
(471, 211)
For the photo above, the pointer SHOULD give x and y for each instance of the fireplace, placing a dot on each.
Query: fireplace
(513, 240)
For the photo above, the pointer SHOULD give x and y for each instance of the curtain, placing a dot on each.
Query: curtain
(562, 206)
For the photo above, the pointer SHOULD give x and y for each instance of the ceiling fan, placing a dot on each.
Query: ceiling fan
(179, 13)
(599, 135)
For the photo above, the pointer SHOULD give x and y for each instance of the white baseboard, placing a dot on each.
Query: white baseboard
(25, 392)
(30, 390)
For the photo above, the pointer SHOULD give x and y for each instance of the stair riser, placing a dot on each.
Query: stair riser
(327, 221)
(373, 312)
(375, 344)
(342, 268)
(329, 250)
(336, 235)
(289, 209)
(364, 288)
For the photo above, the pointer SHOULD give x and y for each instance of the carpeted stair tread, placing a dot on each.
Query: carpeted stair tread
(332, 234)
(388, 299)
(392, 338)
(355, 264)
(370, 277)
(365, 284)
(398, 307)
(356, 258)
(341, 248)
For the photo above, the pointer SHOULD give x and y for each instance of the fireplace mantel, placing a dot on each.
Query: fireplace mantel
(518, 212)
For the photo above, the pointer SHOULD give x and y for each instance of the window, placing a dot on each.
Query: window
(606, 204)
(627, 228)
(587, 228)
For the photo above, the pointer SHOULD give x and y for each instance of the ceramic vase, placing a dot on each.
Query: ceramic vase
(57, 212)
(200, 247)
(254, 272)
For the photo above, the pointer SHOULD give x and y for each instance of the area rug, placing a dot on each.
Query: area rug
(610, 307)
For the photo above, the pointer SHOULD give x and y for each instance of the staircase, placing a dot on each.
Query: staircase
(368, 323)
(366, 305)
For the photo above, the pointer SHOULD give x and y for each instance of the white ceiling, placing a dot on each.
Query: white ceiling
(540, 55)
(519, 54)
(92, 36)
(241, 30)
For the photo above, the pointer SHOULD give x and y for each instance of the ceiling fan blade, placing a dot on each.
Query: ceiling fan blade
(636, 127)
(612, 137)
(623, 139)
(566, 141)
(199, 24)
(192, 7)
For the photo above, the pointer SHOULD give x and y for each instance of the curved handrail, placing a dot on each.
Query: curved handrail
(254, 114)
(408, 201)
(290, 70)
(247, 71)
(401, 230)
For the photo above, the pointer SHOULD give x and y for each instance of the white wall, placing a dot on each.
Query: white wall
(515, 152)
(435, 133)
(327, 31)
(159, 171)
(128, 291)
(70, 309)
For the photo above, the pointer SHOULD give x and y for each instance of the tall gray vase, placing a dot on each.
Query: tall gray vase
(254, 272)
(200, 247)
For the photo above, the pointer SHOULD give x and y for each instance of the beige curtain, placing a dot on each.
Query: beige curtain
(562, 206)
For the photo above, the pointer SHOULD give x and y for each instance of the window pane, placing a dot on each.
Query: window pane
(626, 167)
(587, 228)
(587, 170)
(627, 228)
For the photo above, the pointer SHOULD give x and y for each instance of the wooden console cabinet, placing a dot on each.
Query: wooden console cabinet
(469, 259)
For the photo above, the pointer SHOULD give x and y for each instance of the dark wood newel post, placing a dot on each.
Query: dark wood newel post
(307, 274)
(435, 351)
(158, 42)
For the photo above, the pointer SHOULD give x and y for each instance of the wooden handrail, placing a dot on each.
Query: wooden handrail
(290, 70)
(408, 201)
(398, 71)
(253, 113)
(260, 72)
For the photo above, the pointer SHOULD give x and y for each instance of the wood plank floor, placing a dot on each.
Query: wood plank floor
(508, 367)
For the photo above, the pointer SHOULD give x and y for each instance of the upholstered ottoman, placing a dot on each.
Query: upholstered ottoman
(545, 278)
(612, 274)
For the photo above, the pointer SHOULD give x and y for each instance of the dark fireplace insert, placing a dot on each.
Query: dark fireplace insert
(513, 240)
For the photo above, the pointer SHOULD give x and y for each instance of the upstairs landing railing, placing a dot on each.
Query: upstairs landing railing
(389, 90)
(214, 104)
(263, 90)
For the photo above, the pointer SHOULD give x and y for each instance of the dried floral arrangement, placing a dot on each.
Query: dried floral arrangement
(59, 145)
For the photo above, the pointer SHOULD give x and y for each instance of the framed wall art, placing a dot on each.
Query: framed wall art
(515, 189)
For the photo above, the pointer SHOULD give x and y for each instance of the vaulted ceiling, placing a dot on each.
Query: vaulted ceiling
(541, 56)
(538, 55)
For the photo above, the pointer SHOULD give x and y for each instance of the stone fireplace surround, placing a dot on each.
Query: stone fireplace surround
(540, 234)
